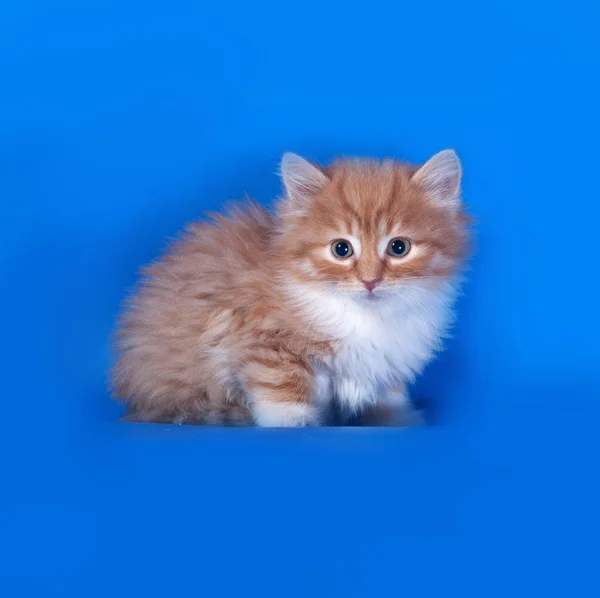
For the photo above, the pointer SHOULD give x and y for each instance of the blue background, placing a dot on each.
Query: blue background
(120, 121)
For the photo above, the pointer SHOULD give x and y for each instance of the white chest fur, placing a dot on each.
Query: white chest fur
(380, 343)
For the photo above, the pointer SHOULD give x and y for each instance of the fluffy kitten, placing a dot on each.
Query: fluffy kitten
(338, 298)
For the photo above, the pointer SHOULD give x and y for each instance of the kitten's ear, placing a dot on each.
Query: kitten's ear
(440, 177)
(301, 178)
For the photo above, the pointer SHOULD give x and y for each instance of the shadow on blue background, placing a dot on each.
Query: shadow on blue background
(121, 121)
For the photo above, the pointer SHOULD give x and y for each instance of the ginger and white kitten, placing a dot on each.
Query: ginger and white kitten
(335, 300)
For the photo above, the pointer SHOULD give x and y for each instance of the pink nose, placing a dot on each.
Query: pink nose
(370, 284)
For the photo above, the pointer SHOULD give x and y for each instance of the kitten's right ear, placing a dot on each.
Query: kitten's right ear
(440, 177)
(300, 178)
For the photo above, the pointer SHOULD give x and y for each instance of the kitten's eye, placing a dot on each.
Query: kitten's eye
(398, 247)
(341, 249)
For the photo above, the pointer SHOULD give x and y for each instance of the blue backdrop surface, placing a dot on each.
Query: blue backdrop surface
(120, 121)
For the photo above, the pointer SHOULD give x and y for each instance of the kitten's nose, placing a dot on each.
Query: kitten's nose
(371, 284)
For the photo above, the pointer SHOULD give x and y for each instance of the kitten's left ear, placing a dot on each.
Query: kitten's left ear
(301, 178)
(440, 177)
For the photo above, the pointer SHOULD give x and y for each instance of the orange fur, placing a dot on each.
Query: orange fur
(214, 327)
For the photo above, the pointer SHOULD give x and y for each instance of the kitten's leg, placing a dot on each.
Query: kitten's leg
(393, 409)
(280, 393)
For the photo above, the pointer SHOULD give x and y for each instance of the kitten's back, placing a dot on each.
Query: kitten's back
(173, 327)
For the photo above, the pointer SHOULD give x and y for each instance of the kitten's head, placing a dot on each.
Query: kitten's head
(367, 228)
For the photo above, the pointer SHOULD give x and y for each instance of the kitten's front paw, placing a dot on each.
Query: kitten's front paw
(282, 414)
(353, 396)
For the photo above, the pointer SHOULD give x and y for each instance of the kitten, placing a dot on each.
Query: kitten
(337, 299)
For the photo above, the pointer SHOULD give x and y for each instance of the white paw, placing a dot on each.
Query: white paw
(279, 414)
(397, 398)
(401, 410)
(353, 396)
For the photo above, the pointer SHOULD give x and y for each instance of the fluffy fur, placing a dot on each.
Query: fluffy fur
(252, 318)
